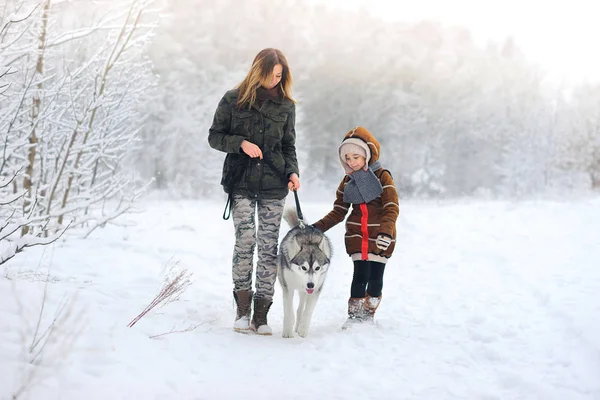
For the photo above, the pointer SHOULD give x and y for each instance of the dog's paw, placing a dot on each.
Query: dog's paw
(287, 333)
(302, 330)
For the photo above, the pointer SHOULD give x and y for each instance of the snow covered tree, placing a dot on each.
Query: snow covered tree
(17, 207)
(580, 139)
(72, 117)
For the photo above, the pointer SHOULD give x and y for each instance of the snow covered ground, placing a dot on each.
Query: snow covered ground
(482, 300)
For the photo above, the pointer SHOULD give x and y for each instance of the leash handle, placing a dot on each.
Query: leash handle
(298, 210)
(228, 206)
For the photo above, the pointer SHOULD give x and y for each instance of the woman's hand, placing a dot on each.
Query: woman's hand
(251, 149)
(294, 183)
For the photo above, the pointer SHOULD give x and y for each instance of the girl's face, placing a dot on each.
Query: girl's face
(355, 161)
(275, 77)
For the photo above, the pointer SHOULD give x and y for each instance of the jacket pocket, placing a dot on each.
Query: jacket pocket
(275, 125)
(234, 171)
(274, 172)
(241, 122)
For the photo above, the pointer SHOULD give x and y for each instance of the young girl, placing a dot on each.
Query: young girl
(371, 227)
(255, 125)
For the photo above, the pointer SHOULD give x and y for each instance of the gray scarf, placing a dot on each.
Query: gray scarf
(363, 186)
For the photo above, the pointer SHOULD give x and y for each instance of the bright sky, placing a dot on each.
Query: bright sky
(561, 35)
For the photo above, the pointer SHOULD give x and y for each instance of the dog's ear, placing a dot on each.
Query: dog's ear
(293, 248)
(325, 246)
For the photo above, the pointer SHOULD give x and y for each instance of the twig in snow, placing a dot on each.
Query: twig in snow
(173, 330)
(171, 290)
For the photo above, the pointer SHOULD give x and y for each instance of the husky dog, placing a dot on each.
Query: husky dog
(303, 261)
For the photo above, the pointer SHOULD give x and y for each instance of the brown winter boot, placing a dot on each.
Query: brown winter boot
(356, 312)
(243, 299)
(371, 304)
(259, 319)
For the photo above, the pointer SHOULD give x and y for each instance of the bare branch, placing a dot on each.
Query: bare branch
(171, 290)
(15, 20)
(28, 241)
(173, 330)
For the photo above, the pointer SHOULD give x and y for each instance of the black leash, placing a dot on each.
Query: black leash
(286, 179)
(298, 210)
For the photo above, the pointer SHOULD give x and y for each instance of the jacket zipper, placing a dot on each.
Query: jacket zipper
(364, 221)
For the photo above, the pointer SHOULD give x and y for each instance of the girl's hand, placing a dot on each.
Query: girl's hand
(251, 149)
(294, 183)
(383, 241)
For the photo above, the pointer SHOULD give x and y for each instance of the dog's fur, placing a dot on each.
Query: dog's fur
(303, 261)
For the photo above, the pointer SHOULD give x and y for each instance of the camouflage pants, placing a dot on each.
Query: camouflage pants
(246, 238)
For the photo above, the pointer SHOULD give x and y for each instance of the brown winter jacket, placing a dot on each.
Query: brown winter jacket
(380, 216)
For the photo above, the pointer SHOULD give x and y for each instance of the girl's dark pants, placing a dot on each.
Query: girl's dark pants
(368, 278)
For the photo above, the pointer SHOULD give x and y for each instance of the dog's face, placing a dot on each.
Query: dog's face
(311, 260)
(310, 274)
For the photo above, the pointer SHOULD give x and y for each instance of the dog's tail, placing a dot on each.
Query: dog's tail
(290, 215)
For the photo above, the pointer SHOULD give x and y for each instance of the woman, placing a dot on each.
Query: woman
(254, 125)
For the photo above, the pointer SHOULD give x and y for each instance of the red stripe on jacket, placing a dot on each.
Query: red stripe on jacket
(364, 220)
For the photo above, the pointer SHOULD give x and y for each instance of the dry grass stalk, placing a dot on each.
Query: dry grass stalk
(51, 345)
(173, 330)
(171, 290)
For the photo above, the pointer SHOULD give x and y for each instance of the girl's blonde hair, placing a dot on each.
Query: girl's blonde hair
(262, 70)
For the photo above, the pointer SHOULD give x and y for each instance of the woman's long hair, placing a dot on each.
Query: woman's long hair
(260, 72)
